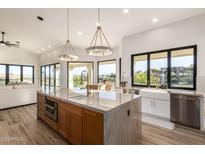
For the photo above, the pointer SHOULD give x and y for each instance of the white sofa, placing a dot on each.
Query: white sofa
(17, 95)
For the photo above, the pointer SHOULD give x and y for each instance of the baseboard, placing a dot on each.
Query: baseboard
(17, 106)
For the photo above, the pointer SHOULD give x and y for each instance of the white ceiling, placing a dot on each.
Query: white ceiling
(23, 26)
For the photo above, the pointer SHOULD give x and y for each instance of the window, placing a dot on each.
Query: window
(57, 75)
(14, 73)
(28, 74)
(2, 75)
(50, 75)
(43, 75)
(140, 70)
(158, 69)
(175, 68)
(107, 72)
(10, 73)
(47, 75)
(77, 74)
(182, 72)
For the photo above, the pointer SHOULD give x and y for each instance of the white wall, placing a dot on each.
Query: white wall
(187, 32)
(19, 56)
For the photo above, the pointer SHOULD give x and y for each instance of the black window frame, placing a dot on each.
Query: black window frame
(49, 65)
(5, 72)
(105, 61)
(168, 66)
(92, 62)
(120, 71)
(21, 71)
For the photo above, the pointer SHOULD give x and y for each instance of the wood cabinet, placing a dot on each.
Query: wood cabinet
(76, 124)
(40, 106)
(62, 122)
(92, 127)
(70, 122)
(41, 100)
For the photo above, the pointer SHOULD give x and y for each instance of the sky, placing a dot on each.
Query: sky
(107, 69)
(26, 70)
(160, 63)
(103, 69)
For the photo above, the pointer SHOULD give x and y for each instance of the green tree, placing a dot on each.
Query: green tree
(140, 77)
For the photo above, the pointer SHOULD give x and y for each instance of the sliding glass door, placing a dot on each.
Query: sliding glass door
(57, 75)
(50, 75)
(79, 74)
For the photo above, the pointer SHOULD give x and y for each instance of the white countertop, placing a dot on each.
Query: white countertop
(175, 91)
(102, 101)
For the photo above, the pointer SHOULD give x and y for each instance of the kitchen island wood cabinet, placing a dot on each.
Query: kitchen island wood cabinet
(41, 99)
(92, 127)
(70, 122)
(92, 123)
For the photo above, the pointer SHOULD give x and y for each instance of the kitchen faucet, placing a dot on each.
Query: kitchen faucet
(85, 72)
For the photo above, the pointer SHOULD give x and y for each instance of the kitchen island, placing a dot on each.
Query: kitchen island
(100, 118)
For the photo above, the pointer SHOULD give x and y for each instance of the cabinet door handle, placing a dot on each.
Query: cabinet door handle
(90, 113)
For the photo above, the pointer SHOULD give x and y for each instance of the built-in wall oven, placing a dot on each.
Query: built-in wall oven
(51, 109)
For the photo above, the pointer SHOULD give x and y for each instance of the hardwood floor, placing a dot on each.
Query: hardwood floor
(180, 135)
(20, 126)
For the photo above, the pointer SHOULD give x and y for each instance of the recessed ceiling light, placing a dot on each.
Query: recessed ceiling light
(43, 49)
(37, 51)
(80, 33)
(125, 11)
(154, 20)
(49, 46)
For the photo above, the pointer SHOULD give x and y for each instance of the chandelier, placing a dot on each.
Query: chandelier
(68, 53)
(99, 45)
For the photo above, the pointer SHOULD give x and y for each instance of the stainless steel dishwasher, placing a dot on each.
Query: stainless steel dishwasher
(185, 110)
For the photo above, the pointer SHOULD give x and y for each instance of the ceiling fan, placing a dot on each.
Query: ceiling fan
(7, 43)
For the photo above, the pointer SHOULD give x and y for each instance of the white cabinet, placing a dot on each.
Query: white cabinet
(156, 103)
(146, 105)
(156, 107)
(161, 108)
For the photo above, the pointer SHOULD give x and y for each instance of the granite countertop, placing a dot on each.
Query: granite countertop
(101, 101)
